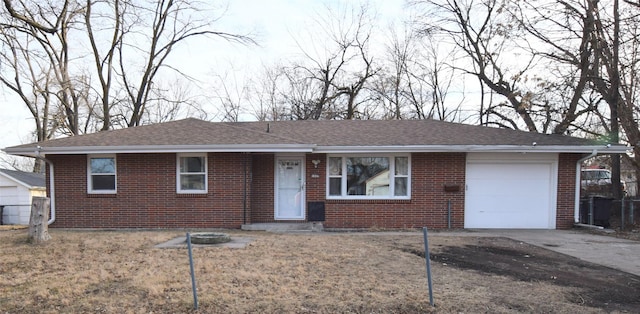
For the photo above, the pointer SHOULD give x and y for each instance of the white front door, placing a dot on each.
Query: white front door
(289, 198)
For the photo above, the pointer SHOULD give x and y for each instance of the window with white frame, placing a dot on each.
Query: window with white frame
(101, 174)
(376, 176)
(192, 173)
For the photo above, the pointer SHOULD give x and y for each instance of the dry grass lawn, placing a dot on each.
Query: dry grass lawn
(122, 272)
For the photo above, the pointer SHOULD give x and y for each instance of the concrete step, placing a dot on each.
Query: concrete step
(284, 227)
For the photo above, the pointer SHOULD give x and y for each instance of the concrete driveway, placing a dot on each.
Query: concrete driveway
(608, 251)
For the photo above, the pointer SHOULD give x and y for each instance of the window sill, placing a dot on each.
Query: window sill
(102, 195)
(192, 195)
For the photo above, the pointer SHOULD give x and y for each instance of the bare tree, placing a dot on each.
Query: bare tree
(564, 36)
(328, 82)
(614, 76)
(41, 62)
(22, 74)
(36, 66)
(265, 95)
(29, 19)
(115, 82)
(172, 100)
(231, 94)
(587, 51)
(483, 40)
(19, 163)
(416, 80)
(104, 58)
(172, 22)
(493, 37)
(603, 32)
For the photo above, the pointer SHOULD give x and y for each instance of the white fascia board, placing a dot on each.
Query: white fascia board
(245, 148)
(472, 148)
(298, 148)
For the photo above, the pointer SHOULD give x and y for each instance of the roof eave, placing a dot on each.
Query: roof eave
(308, 148)
(601, 149)
(237, 148)
(22, 183)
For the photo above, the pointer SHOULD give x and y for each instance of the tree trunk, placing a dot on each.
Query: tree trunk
(38, 228)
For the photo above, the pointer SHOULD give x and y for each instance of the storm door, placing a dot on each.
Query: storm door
(289, 198)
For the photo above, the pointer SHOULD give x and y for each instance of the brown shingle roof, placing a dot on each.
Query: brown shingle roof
(32, 180)
(305, 135)
(181, 132)
(404, 132)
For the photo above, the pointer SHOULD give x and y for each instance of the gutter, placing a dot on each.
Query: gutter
(313, 148)
(52, 193)
(576, 206)
(533, 148)
(133, 149)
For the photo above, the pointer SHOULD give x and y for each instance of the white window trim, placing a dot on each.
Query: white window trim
(206, 174)
(90, 189)
(343, 185)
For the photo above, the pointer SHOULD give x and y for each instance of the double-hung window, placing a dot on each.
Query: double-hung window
(191, 174)
(375, 176)
(101, 174)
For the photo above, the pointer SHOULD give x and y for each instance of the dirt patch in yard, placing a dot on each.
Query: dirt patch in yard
(597, 286)
(122, 272)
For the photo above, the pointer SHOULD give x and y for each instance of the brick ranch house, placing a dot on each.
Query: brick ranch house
(346, 174)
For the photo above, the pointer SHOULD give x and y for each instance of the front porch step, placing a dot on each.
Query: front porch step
(284, 227)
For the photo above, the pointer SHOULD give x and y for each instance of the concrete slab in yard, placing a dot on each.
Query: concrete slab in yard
(284, 227)
(181, 243)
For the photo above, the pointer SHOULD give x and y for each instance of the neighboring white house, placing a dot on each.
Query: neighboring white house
(378, 184)
(16, 190)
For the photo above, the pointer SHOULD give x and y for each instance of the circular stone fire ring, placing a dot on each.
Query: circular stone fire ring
(209, 238)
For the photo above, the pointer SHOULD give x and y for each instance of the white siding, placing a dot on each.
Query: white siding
(16, 199)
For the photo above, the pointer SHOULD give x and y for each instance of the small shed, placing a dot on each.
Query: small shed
(16, 190)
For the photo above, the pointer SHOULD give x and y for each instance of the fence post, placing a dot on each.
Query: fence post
(591, 210)
(622, 213)
(193, 275)
(427, 258)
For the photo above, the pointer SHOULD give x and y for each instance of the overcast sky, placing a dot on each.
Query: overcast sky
(273, 23)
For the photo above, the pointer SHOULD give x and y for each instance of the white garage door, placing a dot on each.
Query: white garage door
(510, 194)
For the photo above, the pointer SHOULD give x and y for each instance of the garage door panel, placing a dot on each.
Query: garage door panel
(514, 221)
(508, 214)
(509, 195)
(508, 171)
(515, 193)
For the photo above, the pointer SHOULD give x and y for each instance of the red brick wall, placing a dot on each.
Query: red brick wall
(316, 178)
(428, 206)
(262, 167)
(566, 190)
(147, 197)
(430, 172)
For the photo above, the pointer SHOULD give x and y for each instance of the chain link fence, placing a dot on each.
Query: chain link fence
(610, 213)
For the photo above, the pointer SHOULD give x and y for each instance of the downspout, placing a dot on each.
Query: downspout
(248, 188)
(244, 195)
(576, 208)
(52, 193)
